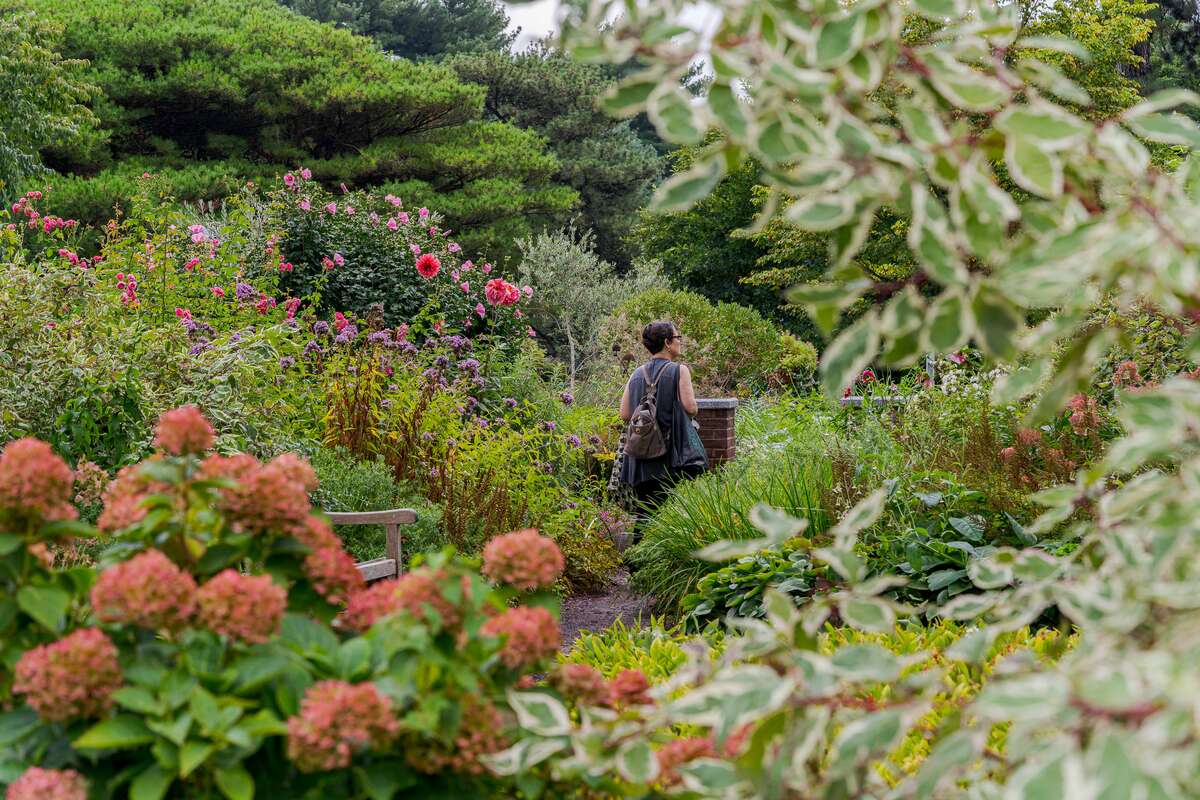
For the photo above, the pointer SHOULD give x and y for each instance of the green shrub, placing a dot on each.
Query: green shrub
(716, 506)
(730, 348)
(654, 649)
(737, 589)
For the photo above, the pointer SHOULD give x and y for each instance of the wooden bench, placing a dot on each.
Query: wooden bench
(392, 562)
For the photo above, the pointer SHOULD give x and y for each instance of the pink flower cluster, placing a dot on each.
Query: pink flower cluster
(72, 257)
(333, 575)
(48, 784)
(183, 431)
(1127, 375)
(127, 285)
(248, 608)
(524, 559)
(148, 590)
(480, 733)
(336, 721)
(34, 482)
(630, 687)
(123, 499)
(680, 751)
(1085, 416)
(416, 592)
(500, 292)
(73, 678)
(582, 683)
(269, 498)
(530, 634)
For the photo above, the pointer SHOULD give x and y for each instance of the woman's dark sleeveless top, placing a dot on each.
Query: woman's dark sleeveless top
(672, 419)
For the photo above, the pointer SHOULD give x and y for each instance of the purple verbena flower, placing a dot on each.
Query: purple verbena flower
(320, 327)
(245, 291)
(287, 362)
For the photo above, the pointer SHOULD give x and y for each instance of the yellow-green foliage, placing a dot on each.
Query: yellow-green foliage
(656, 650)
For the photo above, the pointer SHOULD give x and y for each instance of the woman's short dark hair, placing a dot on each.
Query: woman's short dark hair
(656, 334)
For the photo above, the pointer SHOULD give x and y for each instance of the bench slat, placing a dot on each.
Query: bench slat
(401, 516)
(379, 568)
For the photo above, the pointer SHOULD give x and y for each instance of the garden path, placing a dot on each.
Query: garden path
(595, 612)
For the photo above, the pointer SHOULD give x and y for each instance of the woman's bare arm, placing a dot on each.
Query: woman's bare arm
(687, 393)
(626, 411)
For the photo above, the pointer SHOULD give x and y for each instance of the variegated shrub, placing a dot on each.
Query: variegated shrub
(1019, 209)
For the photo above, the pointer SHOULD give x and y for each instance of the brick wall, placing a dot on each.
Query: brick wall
(716, 417)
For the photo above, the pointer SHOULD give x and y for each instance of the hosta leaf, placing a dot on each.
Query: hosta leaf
(1032, 168)
(846, 357)
(683, 190)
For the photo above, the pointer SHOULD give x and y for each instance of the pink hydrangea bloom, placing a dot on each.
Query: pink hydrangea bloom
(297, 469)
(1127, 374)
(525, 560)
(629, 688)
(583, 683)
(48, 784)
(267, 499)
(244, 607)
(1085, 416)
(183, 431)
(316, 534)
(417, 592)
(333, 574)
(73, 678)
(480, 733)
(123, 499)
(530, 635)
(34, 482)
(680, 751)
(336, 721)
(148, 590)
(1028, 437)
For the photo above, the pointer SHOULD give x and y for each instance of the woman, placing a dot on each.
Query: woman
(651, 479)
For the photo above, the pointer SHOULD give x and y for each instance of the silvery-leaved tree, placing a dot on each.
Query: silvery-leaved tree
(1019, 209)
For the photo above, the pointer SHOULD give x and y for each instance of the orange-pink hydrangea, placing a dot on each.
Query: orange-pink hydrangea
(123, 499)
(34, 482)
(297, 469)
(336, 721)
(680, 751)
(148, 590)
(244, 607)
(73, 678)
(183, 431)
(268, 498)
(333, 575)
(630, 687)
(530, 635)
(48, 784)
(480, 733)
(582, 683)
(524, 559)
(417, 592)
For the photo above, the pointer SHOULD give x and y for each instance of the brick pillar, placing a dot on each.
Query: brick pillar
(716, 417)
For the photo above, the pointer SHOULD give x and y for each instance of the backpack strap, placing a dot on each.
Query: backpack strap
(652, 385)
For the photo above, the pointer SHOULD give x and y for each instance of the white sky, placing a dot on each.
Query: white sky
(535, 20)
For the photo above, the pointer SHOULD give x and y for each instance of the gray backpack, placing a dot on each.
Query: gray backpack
(646, 440)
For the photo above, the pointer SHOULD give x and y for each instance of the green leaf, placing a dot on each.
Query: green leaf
(256, 671)
(865, 513)
(636, 762)
(849, 354)
(844, 562)
(140, 700)
(540, 713)
(353, 659)
(949, 327)
(938, 10)
(192, 755)
(955, 750)
(729, 110)
(990, 573)
(235, 782)
(630, 95)
(836, 41)
(121, 731)
(47, 605)
(710, 777)
(151, 784)
(16, 725)
(381, 780)
(175, 731)
(1043, 124)
(922, 126)
(1032, 168)
(931, 240)
(676, 114)
(867, 614)
(962, 86)
(1029, 697)
(864, 738)
(866, 662)
(1166, 129)
(9, 543)
(683, 190)
(307, 636)
(997, 323)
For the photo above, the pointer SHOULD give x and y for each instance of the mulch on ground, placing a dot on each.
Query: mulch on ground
(595, 612)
